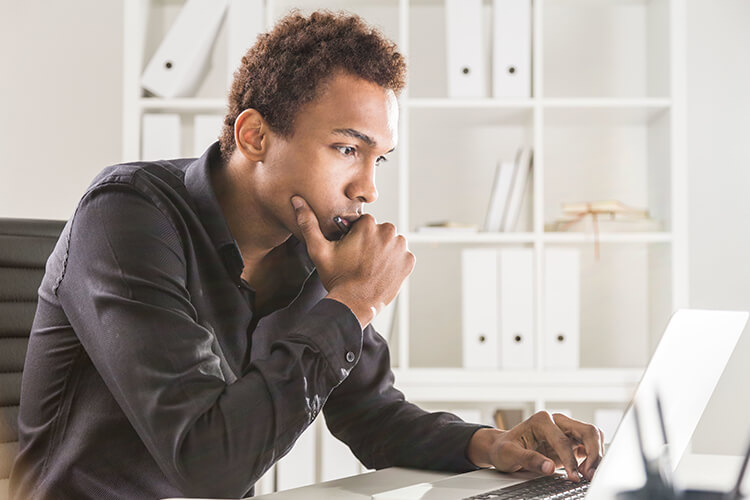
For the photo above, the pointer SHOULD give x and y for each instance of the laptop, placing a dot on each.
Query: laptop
(683, 371)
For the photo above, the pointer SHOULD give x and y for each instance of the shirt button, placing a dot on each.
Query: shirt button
(350, 357)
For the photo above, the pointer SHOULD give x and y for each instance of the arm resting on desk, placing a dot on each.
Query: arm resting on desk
(383, 430)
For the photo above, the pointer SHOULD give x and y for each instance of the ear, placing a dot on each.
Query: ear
(251, 135)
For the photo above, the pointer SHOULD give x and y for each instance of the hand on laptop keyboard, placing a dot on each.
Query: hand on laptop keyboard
(541, 444)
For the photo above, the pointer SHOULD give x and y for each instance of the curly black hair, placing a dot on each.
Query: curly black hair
(286, 67)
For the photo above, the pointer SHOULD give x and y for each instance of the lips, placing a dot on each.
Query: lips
(349, 219)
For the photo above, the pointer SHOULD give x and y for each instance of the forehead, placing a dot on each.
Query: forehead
(349, 102)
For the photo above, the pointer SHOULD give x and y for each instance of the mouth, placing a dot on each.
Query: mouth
(344, 223)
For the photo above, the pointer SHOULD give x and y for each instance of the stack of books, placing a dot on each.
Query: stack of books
(603, 217)
(508, 192)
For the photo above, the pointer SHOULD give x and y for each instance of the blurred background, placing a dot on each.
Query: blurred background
(644, 102)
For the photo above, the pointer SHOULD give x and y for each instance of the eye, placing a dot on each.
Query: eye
(347, 150)
(381, 159)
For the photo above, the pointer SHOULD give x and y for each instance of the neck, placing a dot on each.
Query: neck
(254, 227)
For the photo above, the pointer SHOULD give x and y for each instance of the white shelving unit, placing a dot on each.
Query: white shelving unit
(606, 120)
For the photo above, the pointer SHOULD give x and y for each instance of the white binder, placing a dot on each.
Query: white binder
(465, 63)
(160, 136)
(516, 308)
(297, 468)
(562, 277)
(511, 48)
(206, 131)
(337, 459)
(245, 21)
(479, 308)
(518, 189)
(180, 62)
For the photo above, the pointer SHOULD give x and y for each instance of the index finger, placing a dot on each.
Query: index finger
(559, 442)
(309, 226)
(589, 435)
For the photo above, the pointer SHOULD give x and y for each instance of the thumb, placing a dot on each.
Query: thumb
(527, 459)
(308, 225)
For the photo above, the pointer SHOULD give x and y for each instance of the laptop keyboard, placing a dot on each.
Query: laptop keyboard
(545, 487)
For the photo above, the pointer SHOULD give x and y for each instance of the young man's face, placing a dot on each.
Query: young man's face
(339, 140)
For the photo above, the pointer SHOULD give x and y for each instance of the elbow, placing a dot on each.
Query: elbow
(203, 473)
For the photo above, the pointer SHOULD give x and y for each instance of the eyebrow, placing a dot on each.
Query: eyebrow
(350, 132)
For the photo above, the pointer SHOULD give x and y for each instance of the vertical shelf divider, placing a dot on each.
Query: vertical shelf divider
(135, 17)
(678, 156)
(538, 188)
(402, 311)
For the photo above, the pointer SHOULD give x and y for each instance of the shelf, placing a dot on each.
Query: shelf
(461, 385)
(561, 237)
(185, 104)
(475, 111)
(458, 237)
(464, 103)
(548, 237)
(572, 112)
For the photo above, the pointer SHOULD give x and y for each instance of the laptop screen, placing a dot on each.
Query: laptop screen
(684, 371)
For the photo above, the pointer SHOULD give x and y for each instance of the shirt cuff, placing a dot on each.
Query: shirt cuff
(337, 333)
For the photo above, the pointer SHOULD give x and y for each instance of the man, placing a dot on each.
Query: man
(197, 315)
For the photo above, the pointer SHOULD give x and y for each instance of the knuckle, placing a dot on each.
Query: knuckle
(541, 417)
(592, 432)
(367, 219)
(389, 228)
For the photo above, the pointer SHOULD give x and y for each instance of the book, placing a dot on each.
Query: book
(522, 171)
(604, 224)
(605, 206)
(501, 188)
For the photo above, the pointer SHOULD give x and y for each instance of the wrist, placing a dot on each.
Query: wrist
(480, 445)
(361, 311)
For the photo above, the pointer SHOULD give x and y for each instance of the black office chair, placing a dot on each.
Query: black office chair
(25, 245)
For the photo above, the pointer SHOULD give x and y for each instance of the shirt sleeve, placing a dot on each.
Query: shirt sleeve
(383, 429)
(123, 289)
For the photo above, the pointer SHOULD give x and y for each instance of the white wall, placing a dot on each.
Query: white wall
(61, 91)
(719, 191)
(61, 94)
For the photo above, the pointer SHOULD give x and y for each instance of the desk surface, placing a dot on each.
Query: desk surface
(696, 471)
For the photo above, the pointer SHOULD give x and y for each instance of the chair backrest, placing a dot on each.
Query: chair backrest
(25, 245)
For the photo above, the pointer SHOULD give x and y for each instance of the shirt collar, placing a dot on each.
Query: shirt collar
(198, 184)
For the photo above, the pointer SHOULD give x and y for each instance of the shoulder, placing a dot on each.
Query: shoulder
(141, 176)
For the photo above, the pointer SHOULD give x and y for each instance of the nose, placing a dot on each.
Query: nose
(362, 187)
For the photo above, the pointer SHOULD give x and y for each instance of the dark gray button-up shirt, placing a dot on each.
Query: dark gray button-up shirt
(151, 374)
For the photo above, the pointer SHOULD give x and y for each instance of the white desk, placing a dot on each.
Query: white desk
(697, 471)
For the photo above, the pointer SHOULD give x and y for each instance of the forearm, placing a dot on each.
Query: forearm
(383, 430)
